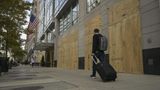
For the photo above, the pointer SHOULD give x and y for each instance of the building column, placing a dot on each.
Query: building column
(56, 39)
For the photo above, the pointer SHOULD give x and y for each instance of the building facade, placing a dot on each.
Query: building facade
(131, 26)
(43, 34)
(31, 36)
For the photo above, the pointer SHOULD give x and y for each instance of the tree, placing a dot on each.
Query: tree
(13, 15)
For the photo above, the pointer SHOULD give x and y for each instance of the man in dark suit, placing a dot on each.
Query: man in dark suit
(95, 51)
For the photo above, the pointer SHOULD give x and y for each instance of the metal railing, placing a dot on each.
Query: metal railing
(59, 7)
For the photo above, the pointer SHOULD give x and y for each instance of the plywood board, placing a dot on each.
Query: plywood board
(125, 50)
(67, 51)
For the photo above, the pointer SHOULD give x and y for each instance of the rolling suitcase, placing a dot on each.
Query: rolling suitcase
(105, 70)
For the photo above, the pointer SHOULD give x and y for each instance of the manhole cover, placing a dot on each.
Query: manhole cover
(29, 88)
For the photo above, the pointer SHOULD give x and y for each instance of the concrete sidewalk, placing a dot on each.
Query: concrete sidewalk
(38, 78)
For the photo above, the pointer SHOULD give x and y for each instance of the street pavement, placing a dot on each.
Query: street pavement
(42, 78)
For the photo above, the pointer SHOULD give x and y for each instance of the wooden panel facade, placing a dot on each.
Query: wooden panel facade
(68, 51)
(125, 50)
(124, 37)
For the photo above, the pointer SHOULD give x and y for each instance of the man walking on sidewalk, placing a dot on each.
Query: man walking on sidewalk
(96, 51)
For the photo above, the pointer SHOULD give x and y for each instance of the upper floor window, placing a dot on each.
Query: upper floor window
(75, 10)
(59, 4)
(69, 17)
(41, 5)
(48, 11)
(91, 4)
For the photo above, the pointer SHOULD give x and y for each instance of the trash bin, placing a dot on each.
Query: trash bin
(4, 64)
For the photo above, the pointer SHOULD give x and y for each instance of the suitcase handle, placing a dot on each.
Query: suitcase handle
(98, 61)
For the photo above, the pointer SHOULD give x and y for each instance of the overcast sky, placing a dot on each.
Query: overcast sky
(29, 0)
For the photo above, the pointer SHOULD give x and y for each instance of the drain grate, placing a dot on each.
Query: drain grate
(29, 88)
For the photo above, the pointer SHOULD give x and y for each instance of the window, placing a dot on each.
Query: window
(91, 4)
(59, 4)
(75, 10)
(49, 37)
(61, 25)
(70, 17)
(41, 5)
(41, 22)
(48, 13)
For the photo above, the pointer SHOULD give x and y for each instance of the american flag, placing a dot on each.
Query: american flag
(33, 22)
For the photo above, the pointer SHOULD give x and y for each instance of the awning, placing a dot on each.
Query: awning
(43, 46)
